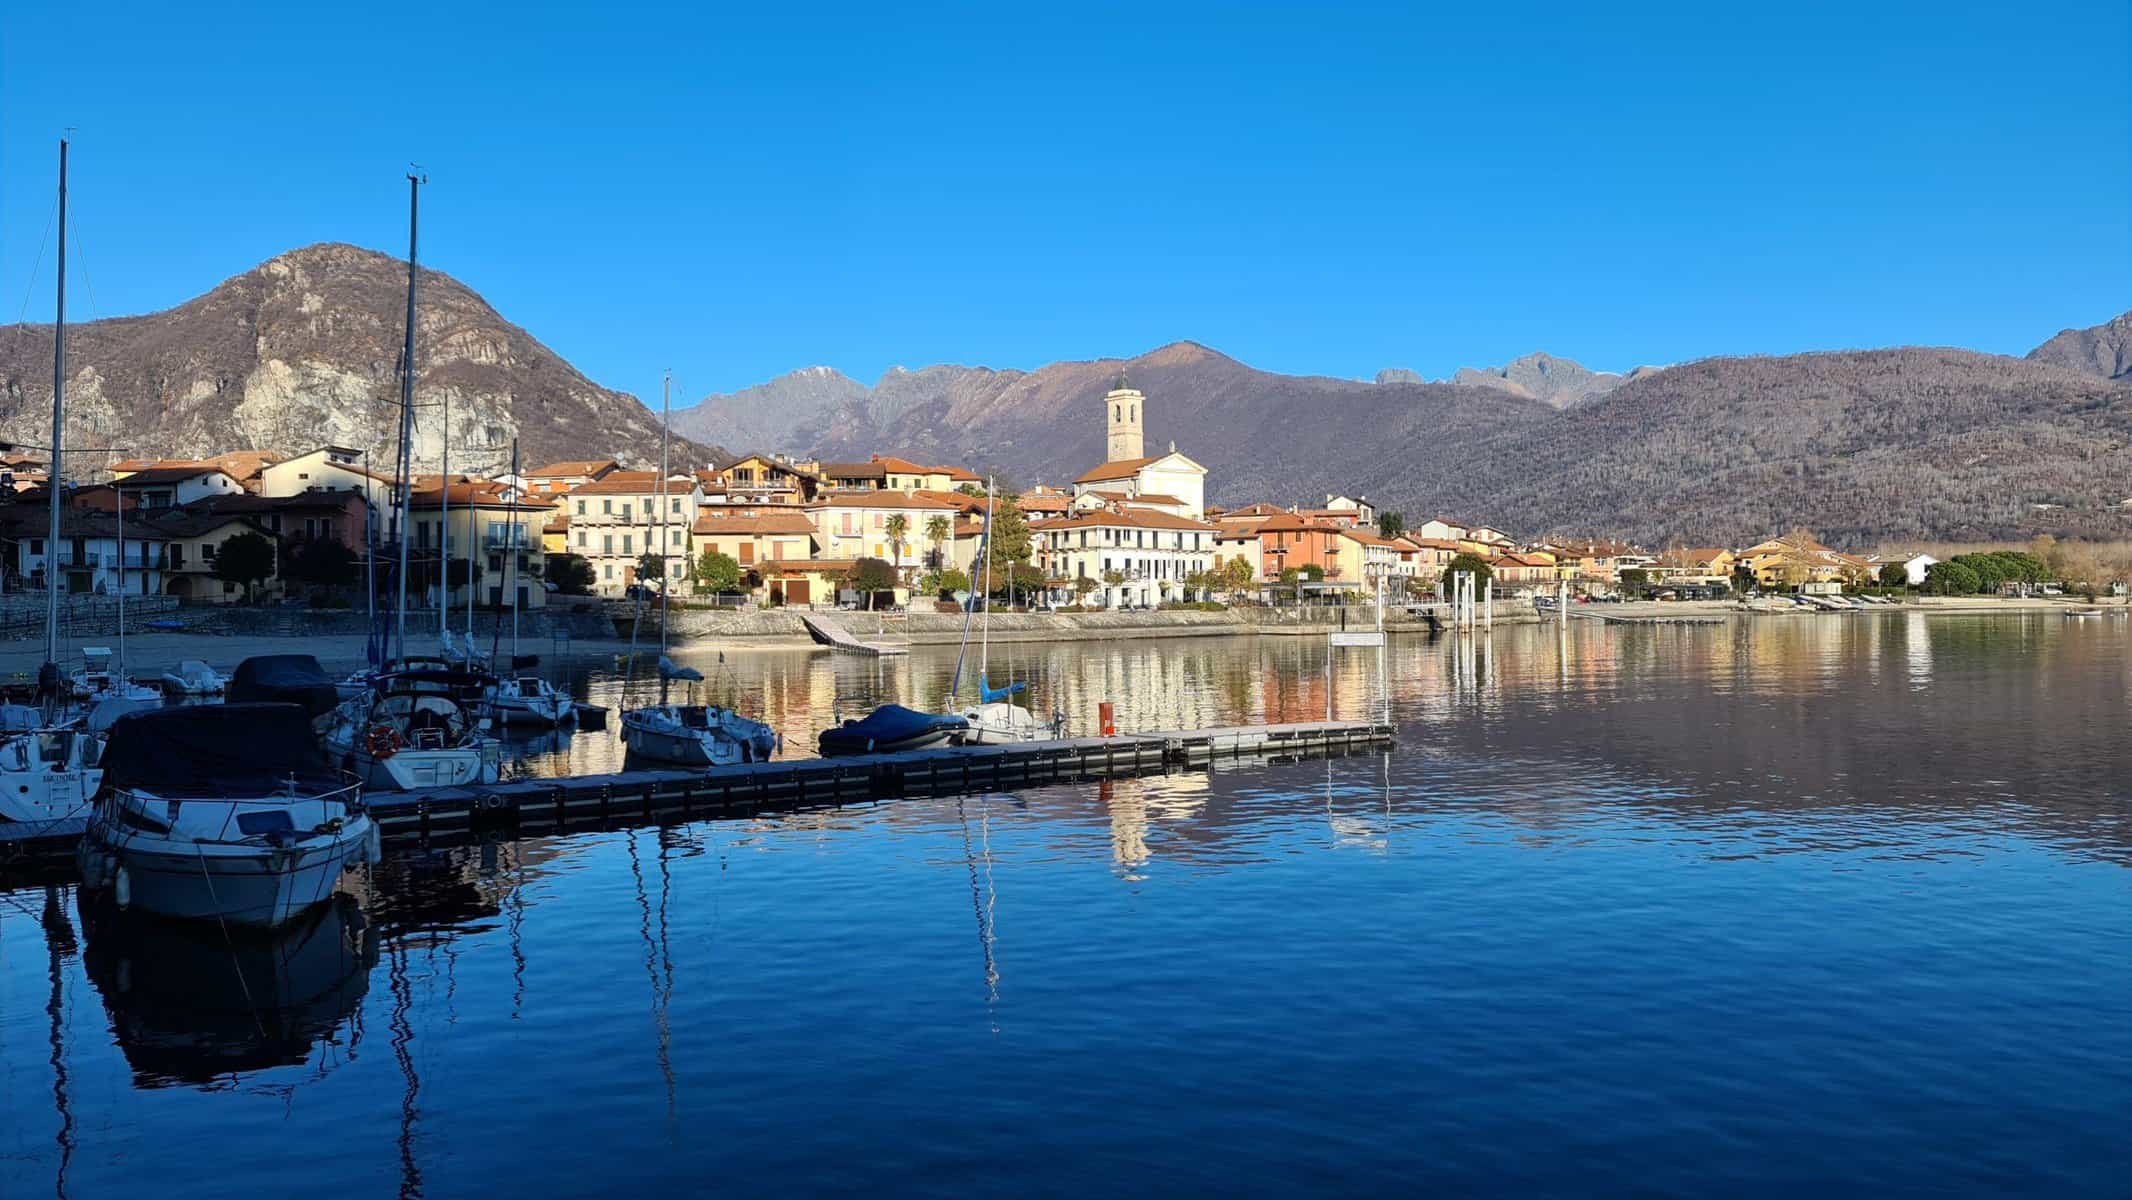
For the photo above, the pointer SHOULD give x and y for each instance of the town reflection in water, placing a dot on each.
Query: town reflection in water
(1726, 728)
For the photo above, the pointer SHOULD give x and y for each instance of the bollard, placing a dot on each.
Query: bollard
(1106, 719)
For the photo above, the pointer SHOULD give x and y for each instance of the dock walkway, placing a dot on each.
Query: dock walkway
(545, 806)
(830, 632)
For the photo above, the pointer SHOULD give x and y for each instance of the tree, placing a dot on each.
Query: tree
(1008, 542)
(1951, 578)
(572, 575)
(245, 559)
(1082, 585)
(717, 572)
(1391, 524)
(1894, 575)
(1312, 572)
(937, 530)
(899, 528)
(1237, 575)
(1468, 561)
(320, 562)
(651, 565)
(1635, 578)
(951, 581)
(868, 576)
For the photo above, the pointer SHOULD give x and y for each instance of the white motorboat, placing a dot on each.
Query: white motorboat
(97, 678)
(49, 774)
(696, 735)
(194, 678)
(531, 701)
(411, 732)
(222, 812)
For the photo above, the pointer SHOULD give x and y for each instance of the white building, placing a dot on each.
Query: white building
(156, 488)
(327, 469)
(617, 519)
(1133, 556)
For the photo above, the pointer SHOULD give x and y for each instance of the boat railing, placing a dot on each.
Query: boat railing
(348, 795)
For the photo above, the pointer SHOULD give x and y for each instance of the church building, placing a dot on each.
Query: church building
(1167, 482)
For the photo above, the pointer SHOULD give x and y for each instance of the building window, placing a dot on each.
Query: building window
(626, 543)
(607, 572)
(607, 507)
(607, 543)
(581, 508)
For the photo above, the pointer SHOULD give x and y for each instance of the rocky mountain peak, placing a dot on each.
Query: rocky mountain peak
(2104, 350)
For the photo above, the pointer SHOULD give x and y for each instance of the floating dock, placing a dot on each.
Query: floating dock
(830, 632)
(553, 806)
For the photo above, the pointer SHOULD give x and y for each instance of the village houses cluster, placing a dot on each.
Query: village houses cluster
(1132, 531)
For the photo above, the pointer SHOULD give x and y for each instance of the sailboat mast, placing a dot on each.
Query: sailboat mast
(407, 415)
(59, 390)
(666, 407)
(984, 631)
(444, 541)
(510, 560)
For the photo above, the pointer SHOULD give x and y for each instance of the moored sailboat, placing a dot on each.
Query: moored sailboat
(690, 735)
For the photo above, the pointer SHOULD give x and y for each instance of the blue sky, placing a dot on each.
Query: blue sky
(1324, 189)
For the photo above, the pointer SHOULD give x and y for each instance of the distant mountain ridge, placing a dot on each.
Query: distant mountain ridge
(1905, 443)
(2104, 350)
(303, 350)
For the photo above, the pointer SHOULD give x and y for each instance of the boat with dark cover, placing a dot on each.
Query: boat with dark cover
(890, 728)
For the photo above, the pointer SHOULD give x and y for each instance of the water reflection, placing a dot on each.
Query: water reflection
(192, 1005)
(1595, 855)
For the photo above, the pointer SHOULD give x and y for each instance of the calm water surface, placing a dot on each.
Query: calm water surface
(1828, 903)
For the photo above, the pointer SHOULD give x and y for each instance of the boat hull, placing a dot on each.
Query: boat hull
(254, 885)
(536, 712)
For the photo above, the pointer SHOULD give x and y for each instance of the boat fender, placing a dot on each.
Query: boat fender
(374, 845)
(122, 887)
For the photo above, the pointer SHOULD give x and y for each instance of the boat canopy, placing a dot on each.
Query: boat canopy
(284, 679)
(430, 677)
(220, 750)
(986, 693)
(20, 718)
(667, 670)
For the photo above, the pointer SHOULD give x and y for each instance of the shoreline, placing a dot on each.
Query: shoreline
(150, 654)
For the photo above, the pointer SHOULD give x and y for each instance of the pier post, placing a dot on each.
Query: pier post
(1488, 602)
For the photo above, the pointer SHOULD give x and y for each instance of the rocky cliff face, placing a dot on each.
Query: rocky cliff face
(2104, 349)
(302, 351)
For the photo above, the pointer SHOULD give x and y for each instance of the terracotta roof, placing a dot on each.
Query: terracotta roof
(1124, 468)
(573, 466)
(1366, 538)
(1240, 529)
(879, 500)
(956, 473)
(621, 483)
(176, 474)
(481, 494)
(1261, 509)
(1434, 543)
(901, 466)
(960, 500)
(854, 470)
(1141, 518)
(806, 566)
(1289, 522)
(710, 523)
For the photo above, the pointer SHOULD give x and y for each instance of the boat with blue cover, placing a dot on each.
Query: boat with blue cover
(891, 728)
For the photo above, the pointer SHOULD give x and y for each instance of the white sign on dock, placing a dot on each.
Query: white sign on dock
(1370, 637)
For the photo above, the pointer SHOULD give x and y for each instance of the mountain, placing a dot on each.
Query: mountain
(303, 350)
(2104, 349)
(1861, 446)
(1858, 446)
(1555, 382)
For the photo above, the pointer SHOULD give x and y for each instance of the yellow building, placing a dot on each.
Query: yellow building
(503, 538)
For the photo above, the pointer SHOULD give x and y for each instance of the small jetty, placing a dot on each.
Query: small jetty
(830, 632)
(552, 806)
(1611, 619)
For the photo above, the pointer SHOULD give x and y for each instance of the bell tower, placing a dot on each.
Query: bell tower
(1122, 414)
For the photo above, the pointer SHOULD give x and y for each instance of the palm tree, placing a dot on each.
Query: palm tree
(899, 526)
(937, 530)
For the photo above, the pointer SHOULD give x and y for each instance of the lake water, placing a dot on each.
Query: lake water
(1836, 904)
